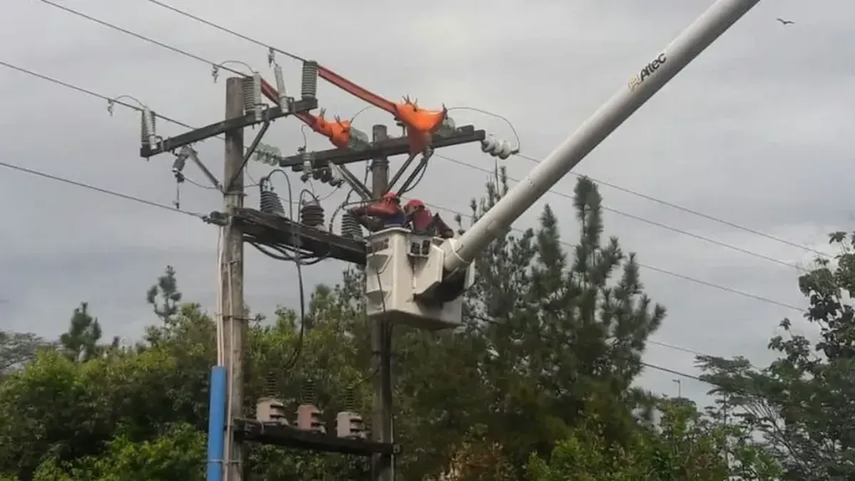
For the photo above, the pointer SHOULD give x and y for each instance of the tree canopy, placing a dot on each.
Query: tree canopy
(538, 383)
(802, 403)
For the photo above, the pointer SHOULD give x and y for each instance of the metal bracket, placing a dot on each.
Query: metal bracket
(249, 152)
(384, 148)
(218, 128)
(354, 182)
(194, 156)
(400, 171)
(416, 172)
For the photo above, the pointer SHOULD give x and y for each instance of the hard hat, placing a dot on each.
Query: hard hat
(414, 204)
(391, 197)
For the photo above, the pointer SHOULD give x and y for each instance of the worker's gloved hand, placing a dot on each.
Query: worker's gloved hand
(356, 210)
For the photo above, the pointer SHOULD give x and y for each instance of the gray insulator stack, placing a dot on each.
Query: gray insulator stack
(312, 214)
(349, 400)
(270, 384)
(309, 85)
(307, 393)
(146, 130)
(350, 227)
(270, 203)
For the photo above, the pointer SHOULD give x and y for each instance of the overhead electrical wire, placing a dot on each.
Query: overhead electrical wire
(642, 219)
(694, 212)
(117, 101)
(657, 367)
(649, 267)
(553, 191)
(99, 189)
(144, 38)
(655, 269)
(226, 30)
(295, 355)
(532, 159)
(666, 345)
(614, 186)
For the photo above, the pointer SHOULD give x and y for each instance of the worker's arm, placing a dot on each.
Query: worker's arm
(376, 209)
(382, 209)
(442, 228)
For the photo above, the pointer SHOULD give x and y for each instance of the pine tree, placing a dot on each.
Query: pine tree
(166, 290)
(80, 342)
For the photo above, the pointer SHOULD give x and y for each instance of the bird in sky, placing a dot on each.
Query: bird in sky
(785, 22)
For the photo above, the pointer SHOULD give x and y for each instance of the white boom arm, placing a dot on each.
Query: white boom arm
(641, 86)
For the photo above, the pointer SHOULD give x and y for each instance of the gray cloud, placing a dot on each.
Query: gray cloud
(756, 131)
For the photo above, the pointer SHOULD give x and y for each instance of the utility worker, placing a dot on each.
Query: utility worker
(383, 213)
(422, 222)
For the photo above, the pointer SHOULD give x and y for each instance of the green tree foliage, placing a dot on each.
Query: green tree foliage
(164, 296)
(176, 454)
(543, 366)
(683, 446)
(568, 330)
(80, 342)
(802, 402)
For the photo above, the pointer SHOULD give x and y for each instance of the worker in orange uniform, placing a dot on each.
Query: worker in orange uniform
(381, 214)
(421, 221)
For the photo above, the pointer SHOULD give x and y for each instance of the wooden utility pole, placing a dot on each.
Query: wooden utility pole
(381, 343)
(232, 308)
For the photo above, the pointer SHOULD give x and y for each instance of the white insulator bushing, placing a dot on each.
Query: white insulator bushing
(280, 87)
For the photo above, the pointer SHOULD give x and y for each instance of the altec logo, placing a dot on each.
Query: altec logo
(647, 71)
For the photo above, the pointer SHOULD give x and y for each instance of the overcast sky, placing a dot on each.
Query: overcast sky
(757, 131)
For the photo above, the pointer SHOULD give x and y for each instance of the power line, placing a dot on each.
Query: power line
(649, 267)
(89, 92)
(660, 270)
(99, 189)
(531, 159)
(226, 30)
(642, 219)
(143, 37)
(694, 212)
(116, 101)
(640, 362)
(200, 216)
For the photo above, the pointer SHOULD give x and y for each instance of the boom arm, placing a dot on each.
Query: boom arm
(641, 86)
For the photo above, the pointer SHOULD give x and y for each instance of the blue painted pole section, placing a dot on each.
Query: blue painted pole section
(217, 424)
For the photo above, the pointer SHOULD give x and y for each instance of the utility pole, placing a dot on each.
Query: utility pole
(679, 388)
(232, 308)
(381, 343)
(724, 406)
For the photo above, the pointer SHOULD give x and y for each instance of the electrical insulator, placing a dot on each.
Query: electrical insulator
(179, 163)
(270, 384)
(178, 166)
(358, 139)
(349, 425)
(270, 410)
(308, 168)
(310, 80)
(252, 95)
(309, 418)
(280, 87)
(350, 227)
(312, 214)
(270, 202)
(497, 148)
(149, 134)
(307, 393)
(447, 128)
(332, 176)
